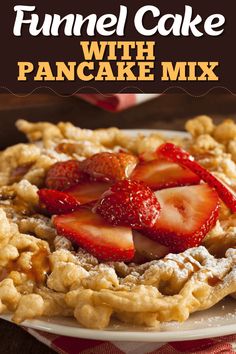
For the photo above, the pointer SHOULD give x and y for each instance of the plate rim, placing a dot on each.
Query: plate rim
(153, 336)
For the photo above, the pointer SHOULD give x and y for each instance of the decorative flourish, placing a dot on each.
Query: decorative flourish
(134, 88)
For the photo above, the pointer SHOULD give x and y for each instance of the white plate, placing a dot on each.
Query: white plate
(217, 321)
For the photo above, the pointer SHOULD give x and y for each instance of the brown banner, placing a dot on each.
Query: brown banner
(128, 46)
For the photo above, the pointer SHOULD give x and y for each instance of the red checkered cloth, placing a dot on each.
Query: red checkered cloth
(67, 345)
(116, 102)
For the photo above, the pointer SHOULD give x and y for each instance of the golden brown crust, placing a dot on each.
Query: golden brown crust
(76, 283)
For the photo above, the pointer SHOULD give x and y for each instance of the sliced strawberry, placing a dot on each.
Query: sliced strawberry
(91, 232)
(159, 174)
(88, 192)
(63, 175)
(187, 215)
(57, 202)
(129, 203)
(108, 166)
(147, 249)
(183, 158)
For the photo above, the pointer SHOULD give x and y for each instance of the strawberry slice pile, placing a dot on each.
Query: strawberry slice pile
(100, 202)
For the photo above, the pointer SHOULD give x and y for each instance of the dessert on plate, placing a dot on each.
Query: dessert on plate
(102, 225)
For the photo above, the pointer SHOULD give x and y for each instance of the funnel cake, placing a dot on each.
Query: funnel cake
(45, 274)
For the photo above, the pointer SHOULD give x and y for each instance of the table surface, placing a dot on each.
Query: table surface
(166, 112)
